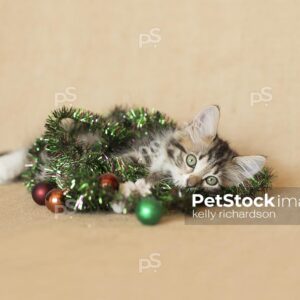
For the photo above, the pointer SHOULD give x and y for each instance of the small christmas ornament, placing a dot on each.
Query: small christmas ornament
(54, 201)
(109, 180)
(40, 190)
(149, 211)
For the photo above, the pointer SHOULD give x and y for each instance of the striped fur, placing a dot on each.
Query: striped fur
(216, 165)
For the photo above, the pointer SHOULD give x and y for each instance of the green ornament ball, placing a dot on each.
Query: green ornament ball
(149, 211)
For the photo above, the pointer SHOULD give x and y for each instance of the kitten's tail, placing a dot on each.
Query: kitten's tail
(12, 164)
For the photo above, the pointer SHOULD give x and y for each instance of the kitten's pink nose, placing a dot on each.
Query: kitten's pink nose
(193, 180)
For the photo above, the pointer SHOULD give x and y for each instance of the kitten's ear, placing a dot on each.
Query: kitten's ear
(242, 168)
(205, 124)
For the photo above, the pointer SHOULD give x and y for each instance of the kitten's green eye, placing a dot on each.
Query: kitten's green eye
(191, 160)
(211, 180)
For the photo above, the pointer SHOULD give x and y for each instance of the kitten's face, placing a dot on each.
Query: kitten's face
(200, 159)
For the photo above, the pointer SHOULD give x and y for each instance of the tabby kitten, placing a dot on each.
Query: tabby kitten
(191, 156)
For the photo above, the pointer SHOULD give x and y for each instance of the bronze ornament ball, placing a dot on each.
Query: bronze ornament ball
(54, 201)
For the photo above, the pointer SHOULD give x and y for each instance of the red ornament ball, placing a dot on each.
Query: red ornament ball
(54, 201)
(40, 190)
(109, 180)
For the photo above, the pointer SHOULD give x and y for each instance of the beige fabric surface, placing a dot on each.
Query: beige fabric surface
(97, 257)
(209, 52)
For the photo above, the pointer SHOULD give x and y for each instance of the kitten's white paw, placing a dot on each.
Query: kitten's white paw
(127, 188)
(140, 187)
(118, 206)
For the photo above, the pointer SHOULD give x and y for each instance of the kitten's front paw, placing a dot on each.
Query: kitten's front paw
(140, 187)
(127, 188)
(118, 206)
(143, 187)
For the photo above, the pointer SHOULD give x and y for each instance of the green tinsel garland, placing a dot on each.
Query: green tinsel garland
(76, 169)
